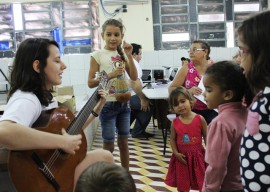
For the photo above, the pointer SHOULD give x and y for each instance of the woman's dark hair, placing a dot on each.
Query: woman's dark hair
(23, 76)
(204, 45)
(228, 76)
(173, 99)
(119, 24)
(254, 32)
(105, 177)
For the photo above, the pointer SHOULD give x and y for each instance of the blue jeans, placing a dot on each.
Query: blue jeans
(142, 118)
(115, 118)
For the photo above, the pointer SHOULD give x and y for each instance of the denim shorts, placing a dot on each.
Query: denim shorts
(115, 118)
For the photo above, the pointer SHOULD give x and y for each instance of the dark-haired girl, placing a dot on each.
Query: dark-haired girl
(225, 86)
(253, 42)
(115, 116)
(36, 69)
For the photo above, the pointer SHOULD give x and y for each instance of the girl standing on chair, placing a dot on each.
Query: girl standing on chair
(187, 132)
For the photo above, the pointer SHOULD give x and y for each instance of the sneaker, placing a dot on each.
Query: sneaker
(140, 136)
(149, 134)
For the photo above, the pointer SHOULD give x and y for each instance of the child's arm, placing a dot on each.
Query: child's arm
(28, 138)
(130, 67)
(179, 79)
(98, 107)
(173, 140)
(94, 67)
(216, 156)
(204, 130)
(175, 151)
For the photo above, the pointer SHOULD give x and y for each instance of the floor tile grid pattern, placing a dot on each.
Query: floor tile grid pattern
(148, 166)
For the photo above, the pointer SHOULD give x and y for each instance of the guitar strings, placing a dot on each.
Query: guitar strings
(73, 128)
(88, 108)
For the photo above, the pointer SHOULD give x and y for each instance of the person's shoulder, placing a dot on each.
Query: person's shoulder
(136, 63)
(24, 94)
(95, 53)
(266, 92)
(199, 117)
(183, 69)
(176, 119)
(264, 96)
(103, 52)
(25, 97)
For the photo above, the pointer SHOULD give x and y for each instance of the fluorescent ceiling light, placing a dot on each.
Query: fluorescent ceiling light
(175, 37)
(211, 17)
(17, 15)
(247, 7)
(230, 34)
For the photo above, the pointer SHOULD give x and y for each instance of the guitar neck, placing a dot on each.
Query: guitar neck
(78, 122)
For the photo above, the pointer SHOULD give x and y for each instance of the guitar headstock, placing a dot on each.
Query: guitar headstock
(103, 79)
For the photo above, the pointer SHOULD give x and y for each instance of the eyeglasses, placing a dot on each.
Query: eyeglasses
(243, 51)
(195, 49)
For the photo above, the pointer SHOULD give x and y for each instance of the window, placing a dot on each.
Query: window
(73, 24)
(178, 22)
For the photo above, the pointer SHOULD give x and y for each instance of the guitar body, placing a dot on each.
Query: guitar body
(24, 171)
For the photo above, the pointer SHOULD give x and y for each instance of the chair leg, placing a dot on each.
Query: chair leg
(153, 119)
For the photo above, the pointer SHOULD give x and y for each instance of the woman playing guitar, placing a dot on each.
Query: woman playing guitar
(62, 153)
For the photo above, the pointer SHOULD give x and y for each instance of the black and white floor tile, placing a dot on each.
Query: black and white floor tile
(148, 166)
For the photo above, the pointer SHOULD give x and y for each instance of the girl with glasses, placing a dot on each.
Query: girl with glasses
(253, 41)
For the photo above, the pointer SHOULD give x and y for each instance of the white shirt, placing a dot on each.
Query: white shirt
(139, 72)
(139, 69)
(104, 60)
(24, 108)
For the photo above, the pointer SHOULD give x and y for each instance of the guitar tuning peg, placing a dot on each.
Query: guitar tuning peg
(97, 75)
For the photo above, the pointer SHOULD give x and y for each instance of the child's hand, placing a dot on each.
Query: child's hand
(195, 91)
(181, 158)
(72, 142)
(127, 48)
(116, 73)
(104, 94)
(145, 104)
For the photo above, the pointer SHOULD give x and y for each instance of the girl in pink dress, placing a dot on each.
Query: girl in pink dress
(187, 167)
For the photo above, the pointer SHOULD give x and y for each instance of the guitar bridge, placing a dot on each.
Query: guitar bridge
(46, 171)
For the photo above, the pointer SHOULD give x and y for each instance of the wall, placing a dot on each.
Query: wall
(138, 22)
(172, 58)
(76, 74)
(78, 67)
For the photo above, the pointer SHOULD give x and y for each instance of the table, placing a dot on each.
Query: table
(159, 95)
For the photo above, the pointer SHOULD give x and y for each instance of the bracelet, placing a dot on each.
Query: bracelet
(94, 113)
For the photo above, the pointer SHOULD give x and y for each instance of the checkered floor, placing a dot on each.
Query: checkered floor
(148, 166)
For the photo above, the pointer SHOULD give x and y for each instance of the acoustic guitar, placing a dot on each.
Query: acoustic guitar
(49, 170)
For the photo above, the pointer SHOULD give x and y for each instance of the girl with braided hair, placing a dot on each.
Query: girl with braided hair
(115, 115)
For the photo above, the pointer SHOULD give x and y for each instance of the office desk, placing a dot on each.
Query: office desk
(159, 95)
